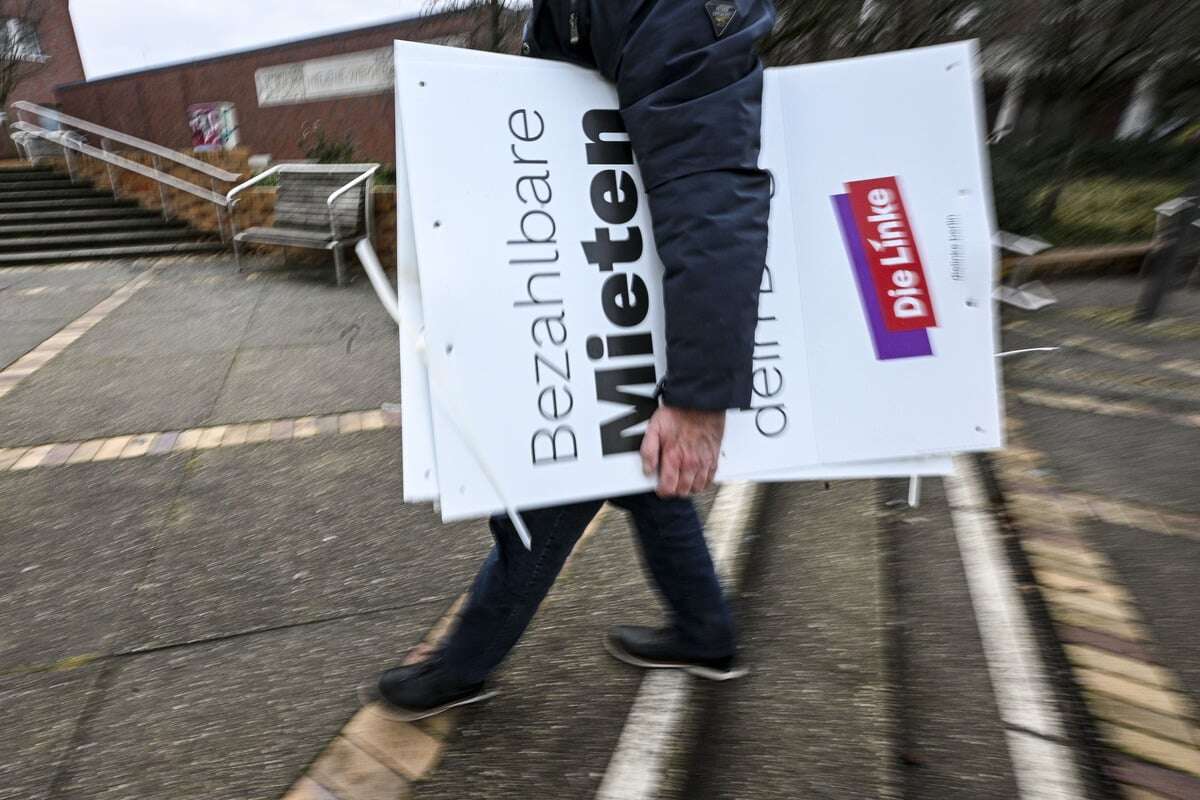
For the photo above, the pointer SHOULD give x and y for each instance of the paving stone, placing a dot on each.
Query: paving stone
(11, 456)
(1062, 537)
(32, 458)
(1167, 782)
(1084, 558)
(74, 541)
(1091, 605)
(1133, 669)
(41, 713)
(1113, 627)
(353, 774)
(400, 746)
(235, 435)
(308, 789)
(258, 432)
(1182, 757)
(1090, 588)
(211, 437)
(1102, 641)
(60, 455)
(1071, 568)
(1134, 693)
(188, 440)
(86, 451)
(236, 718)
(163, 443)
(112, 448)
(1119, 713)
(1133, 793)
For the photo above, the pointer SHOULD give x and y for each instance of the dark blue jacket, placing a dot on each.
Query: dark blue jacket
(690, 85)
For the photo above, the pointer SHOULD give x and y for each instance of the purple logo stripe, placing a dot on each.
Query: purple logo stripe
(888, 344)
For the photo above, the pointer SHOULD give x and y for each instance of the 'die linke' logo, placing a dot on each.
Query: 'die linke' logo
(623, 295)
(897, 272)
(887, 267)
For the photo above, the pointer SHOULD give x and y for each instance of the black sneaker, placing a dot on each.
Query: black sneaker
(422, 690)
(660, 649)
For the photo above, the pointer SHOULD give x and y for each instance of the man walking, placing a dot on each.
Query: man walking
(690, 85)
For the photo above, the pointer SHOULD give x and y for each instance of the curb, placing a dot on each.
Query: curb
(1122, 259)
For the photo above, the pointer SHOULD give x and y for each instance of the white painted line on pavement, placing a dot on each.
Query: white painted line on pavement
(1044, 766)
(642, 753)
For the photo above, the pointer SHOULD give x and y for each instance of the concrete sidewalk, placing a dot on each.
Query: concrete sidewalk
(203, 551)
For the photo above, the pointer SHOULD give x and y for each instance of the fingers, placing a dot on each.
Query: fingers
(668, 474)
(682, 474)
(704, 477)
(705, 480)
(650, 450)
(689, 474)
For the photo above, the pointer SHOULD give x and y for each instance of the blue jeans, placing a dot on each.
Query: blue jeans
(513, 581)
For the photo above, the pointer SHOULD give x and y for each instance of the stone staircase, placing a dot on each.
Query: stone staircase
(47, 217)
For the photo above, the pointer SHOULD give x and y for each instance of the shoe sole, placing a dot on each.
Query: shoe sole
(707, 673)
(371, 700)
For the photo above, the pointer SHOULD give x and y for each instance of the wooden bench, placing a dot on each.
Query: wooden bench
(317, 206)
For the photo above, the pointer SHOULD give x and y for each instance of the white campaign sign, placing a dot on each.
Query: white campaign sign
(543, 335)
(420, 471)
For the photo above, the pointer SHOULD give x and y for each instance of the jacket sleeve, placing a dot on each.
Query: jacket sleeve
(692, 103)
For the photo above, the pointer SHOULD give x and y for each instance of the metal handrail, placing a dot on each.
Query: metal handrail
(66, 141)
(371, 170)
(241, 187)
(131, 141)
(71, 141)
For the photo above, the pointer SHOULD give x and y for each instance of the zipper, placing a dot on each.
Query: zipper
(573, 23)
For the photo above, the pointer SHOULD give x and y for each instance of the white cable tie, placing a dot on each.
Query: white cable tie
(1008, 353)
(383, 288)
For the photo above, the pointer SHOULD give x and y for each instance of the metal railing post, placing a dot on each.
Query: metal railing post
(112, 181)
(70, 162)
(162, 192)
(212, 183)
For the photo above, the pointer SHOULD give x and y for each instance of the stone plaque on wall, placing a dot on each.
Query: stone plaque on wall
(367, 72)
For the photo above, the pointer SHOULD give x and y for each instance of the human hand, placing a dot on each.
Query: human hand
(683, 446)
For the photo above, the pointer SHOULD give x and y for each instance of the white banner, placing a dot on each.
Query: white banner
(543, 320)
